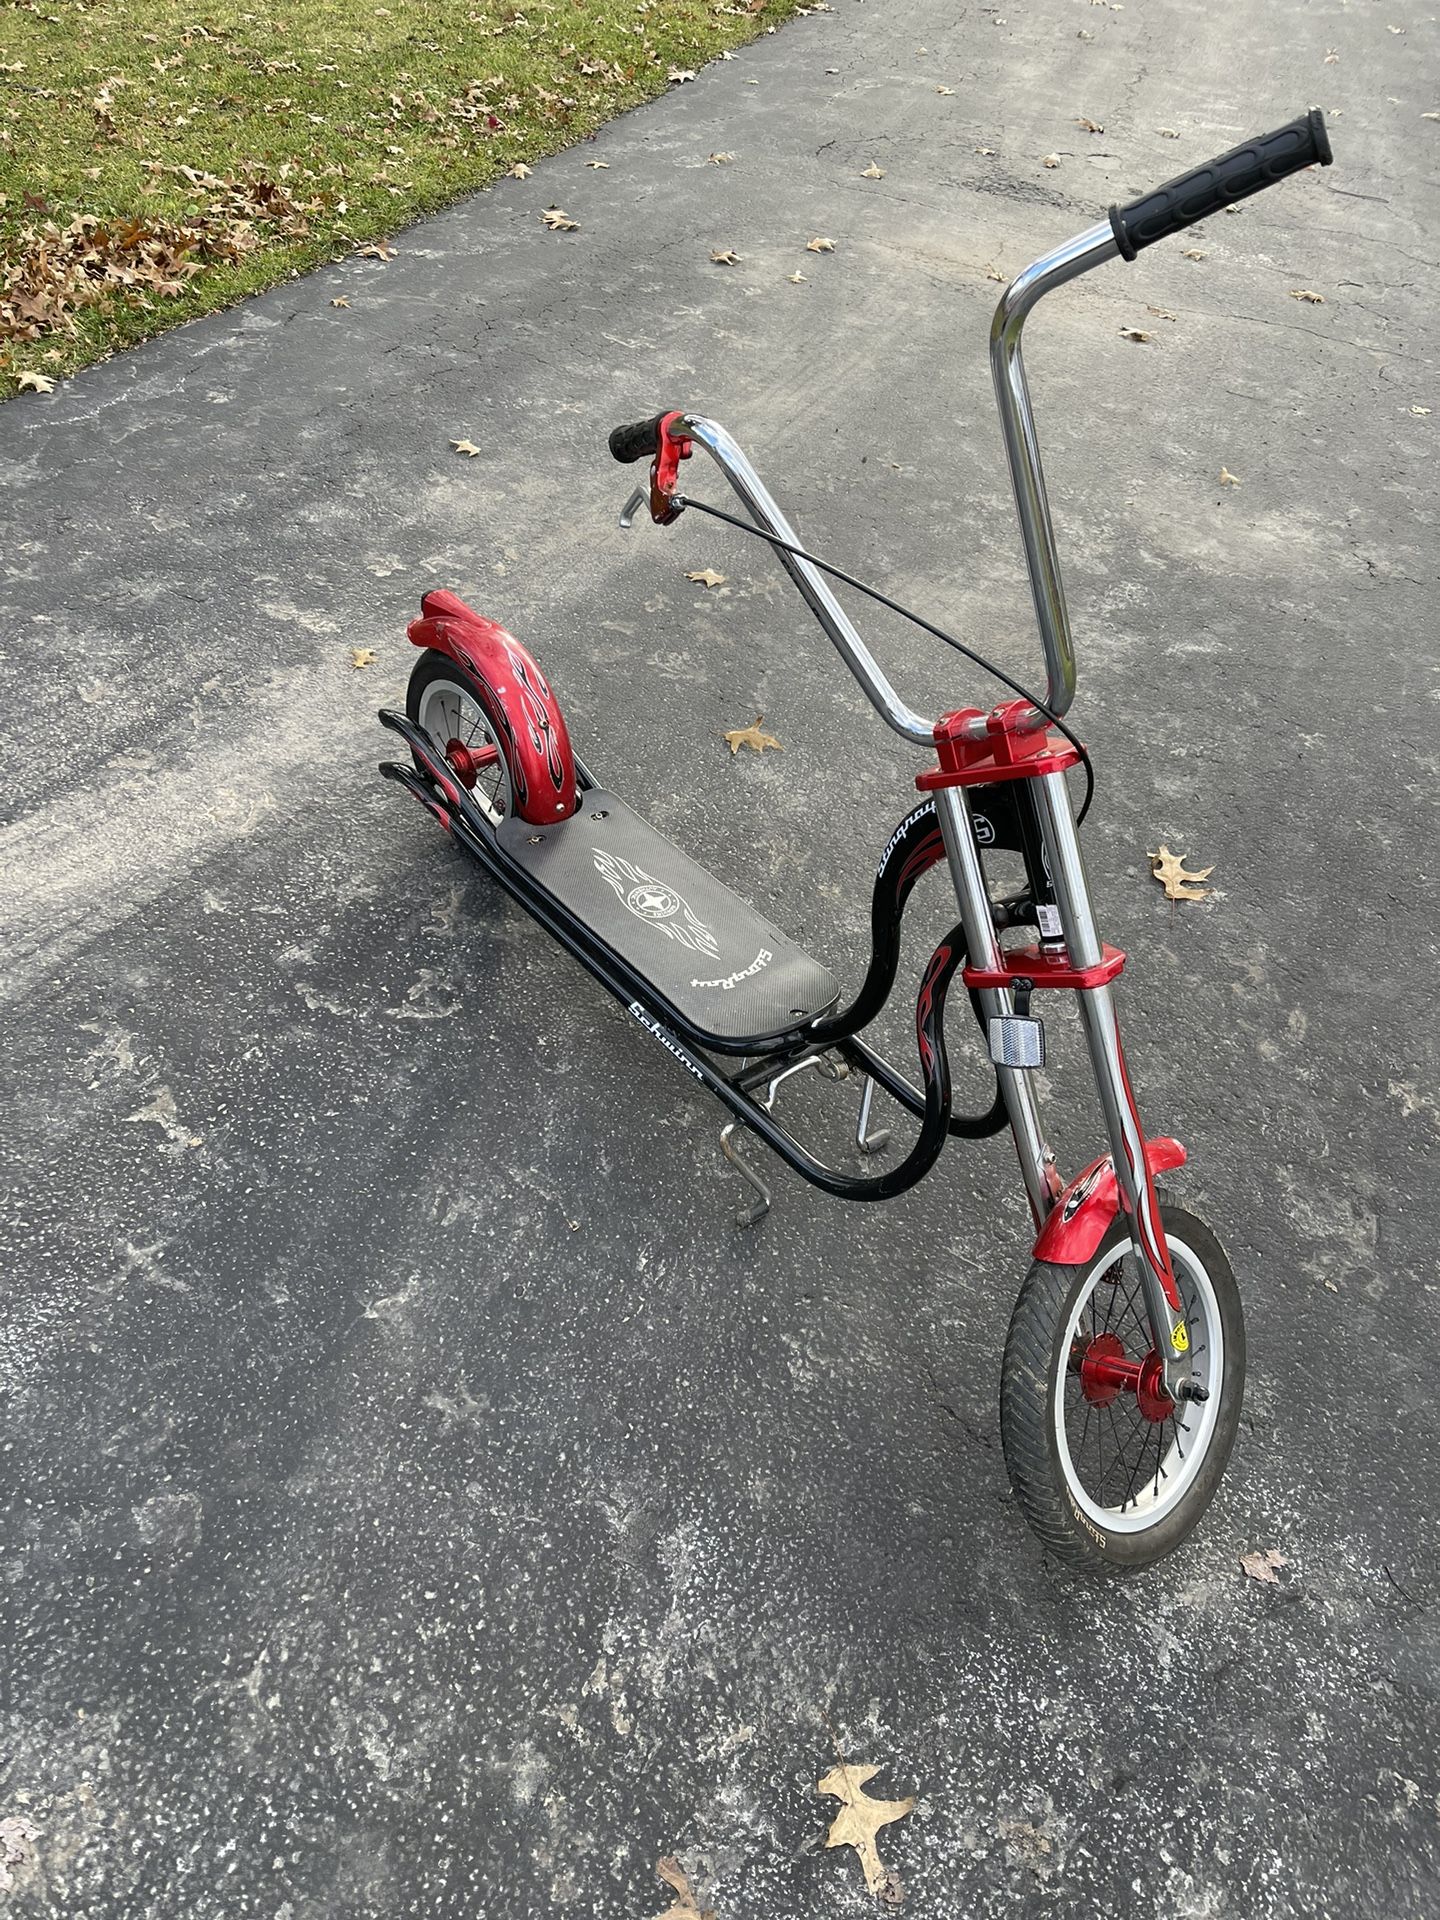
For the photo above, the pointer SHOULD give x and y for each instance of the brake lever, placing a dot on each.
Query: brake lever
(632, 506)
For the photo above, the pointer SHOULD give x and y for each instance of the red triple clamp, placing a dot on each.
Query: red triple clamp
(1006, 750)
(1043, 969)
(665, 470)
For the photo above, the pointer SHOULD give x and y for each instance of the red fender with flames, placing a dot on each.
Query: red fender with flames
(523, 713)
(1081, 1217)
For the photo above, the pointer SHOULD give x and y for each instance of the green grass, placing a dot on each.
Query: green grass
(363, 116)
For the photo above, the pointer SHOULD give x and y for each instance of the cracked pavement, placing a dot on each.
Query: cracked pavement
(421, 1498)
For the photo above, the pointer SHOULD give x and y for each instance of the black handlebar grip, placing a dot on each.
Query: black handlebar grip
(637, 442)
(1219, 183)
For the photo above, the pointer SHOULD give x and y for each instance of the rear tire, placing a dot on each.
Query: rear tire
(1108, 1482)
(444, 699)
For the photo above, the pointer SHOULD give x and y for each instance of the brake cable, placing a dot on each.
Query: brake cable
(927, 626)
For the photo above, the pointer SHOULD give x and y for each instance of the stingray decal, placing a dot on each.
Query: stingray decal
(650, 899)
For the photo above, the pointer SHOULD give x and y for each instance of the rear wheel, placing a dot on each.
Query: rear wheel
(443, 698)
(1110, 1473)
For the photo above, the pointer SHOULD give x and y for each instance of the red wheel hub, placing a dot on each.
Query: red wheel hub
(1106, 1372)
(469, 762)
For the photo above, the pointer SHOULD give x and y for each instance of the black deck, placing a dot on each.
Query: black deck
(716, 960)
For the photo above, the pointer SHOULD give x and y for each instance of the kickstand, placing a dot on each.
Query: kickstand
(866, 1141)
(747, 1216)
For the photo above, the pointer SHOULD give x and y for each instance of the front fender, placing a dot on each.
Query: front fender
(518, 701)
(1081, 1217)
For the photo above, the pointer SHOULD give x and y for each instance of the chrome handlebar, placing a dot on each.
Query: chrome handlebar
(1022, 449)
(811, 582)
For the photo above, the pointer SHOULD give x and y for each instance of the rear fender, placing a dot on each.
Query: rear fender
(1081, 1217)
(517, 699)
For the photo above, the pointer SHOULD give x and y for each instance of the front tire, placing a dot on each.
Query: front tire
(1112, 1477)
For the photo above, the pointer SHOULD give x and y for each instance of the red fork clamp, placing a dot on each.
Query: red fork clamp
(1007, 749)
(665, 470)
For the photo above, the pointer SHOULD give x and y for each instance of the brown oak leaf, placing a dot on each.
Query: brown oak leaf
(751, 737)
(861, 1819)
(686, 1907)
(1176, 878)
(1262, 1566)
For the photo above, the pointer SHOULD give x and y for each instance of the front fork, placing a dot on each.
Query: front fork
(1136, 1187)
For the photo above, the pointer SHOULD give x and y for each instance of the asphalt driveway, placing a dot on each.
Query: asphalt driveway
(422, 1500)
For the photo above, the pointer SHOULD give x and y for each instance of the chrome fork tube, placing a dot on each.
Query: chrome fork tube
(1037, 1162)
(1107, 1057)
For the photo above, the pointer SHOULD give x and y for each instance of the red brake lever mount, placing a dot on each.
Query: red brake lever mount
(665, 471)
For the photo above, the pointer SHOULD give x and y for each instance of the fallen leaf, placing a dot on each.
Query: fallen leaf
(1308, 295)
(467, 447)
(35, 383)
(861, 1818)
(1051, 160)
(1196, 253)
(1170, 870)
(1135, 333)
(820, 245)
(377, 250)
(798, 279)
(994, 273)
(340, 301)
(707, 577)
(1167, 133)
(721, 159)
(1422, 411)
(599, 165)
(751, 737)
(724, 257)
(1162, 313)
(1430, 116)
(520, 171)
(1228, 479)
(872, 172)
(362, 657)
(1331, 57)
(1261, 1566)
(686, 1907)
(677, 76)
(1089, 126)
(944, 89)
(989, 152)
(558, 221)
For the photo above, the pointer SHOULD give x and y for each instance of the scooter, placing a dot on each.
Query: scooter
(1125, 1360)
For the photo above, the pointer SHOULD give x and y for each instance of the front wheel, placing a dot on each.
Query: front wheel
(1109, 1472)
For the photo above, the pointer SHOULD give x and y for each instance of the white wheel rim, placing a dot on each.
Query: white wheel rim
(448, 712)
(1166, 1455)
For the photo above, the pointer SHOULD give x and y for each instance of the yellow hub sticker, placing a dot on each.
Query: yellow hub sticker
(1180, 1339)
